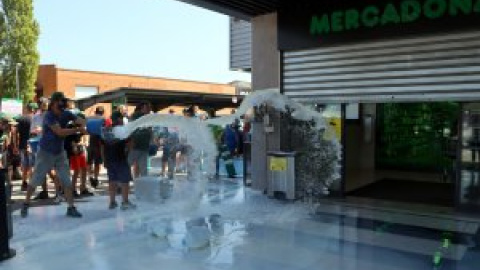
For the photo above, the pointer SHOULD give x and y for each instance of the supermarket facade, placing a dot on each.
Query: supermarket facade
(403, 77)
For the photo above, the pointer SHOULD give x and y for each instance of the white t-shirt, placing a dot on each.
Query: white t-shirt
(37, 121)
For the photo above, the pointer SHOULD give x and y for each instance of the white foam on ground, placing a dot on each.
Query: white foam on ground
(152, 232)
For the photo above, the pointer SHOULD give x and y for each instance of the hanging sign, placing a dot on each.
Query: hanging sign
(308, 24)
(13, 107)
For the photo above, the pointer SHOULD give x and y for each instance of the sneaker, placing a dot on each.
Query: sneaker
(24, 186)
(43, 195)
(86, 193)
(93, 182)
(128, 205)
(72, 212)
(58, 199)
(113, 205)
(24, 210)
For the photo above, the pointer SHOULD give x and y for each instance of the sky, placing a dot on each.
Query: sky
(164, 38)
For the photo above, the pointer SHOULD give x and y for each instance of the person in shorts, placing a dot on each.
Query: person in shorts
(14, 158)
(52, 153)
(36, 130)
(118, 170)
(78, 162)
(24, 127)
(140, 143)
(28, 158)
(168, 141)
(95, 160)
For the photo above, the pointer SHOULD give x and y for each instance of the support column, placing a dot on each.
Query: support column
(265, 75)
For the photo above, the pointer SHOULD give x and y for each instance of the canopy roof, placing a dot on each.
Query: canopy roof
(161, 99)
(241, 9)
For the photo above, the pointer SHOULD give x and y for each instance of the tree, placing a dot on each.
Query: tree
(3, 44)
(18, 44)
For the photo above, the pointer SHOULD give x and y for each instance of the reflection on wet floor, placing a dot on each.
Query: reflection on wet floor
(470, 187)
(237, 228)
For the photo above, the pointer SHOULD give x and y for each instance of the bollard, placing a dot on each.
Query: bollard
(5, 219)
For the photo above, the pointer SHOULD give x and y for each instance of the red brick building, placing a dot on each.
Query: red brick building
(79, 84)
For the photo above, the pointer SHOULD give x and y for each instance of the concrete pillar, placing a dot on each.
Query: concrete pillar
(265, 54)
(265, 75)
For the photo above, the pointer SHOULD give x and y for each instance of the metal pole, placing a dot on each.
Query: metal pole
(17, 67)
(5, 218)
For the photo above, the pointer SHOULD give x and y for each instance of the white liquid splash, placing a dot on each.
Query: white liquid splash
(200, 138)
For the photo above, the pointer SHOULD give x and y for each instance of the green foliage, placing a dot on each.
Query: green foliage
(415, 135)
(18, 44)
(317, 161)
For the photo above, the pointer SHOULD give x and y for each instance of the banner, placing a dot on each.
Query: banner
(12, 107)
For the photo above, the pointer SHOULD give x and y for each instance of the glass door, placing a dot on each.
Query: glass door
(468, 180)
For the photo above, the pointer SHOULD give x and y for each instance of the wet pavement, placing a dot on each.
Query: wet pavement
(232, 227)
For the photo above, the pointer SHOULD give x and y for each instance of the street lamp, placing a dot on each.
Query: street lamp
(17, 67)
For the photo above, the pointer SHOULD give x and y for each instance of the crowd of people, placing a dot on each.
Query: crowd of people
(52, 139)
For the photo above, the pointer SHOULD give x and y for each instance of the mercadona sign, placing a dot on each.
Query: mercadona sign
(336, 21)
(407, 11)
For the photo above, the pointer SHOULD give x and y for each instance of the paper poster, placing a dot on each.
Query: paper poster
(278, 164)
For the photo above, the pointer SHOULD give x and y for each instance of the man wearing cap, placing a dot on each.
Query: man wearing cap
(35, 135)
(52, 154)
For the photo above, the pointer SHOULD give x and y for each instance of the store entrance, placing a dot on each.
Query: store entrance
(468, 175)
(404, 152)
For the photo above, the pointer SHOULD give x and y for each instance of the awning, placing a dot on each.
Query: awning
(161, 99)
(241, 9)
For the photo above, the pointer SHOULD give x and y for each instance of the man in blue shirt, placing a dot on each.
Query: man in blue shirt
(51, 153)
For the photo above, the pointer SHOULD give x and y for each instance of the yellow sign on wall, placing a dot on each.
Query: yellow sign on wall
(335, 129)
(278, 164)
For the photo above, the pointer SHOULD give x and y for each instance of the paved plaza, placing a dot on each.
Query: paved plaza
(233, 227)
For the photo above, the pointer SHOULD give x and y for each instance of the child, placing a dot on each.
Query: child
(118, 170)
(78, 162)
(29, 161)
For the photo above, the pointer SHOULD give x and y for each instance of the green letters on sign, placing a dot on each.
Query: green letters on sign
(337, 21)
(464, 6)
(320, 26)
(390, 15)
(435, 8)
(352, 19)
(411, 11)
(370, 16)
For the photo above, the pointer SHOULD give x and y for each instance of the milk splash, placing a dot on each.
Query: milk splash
(200, 138)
